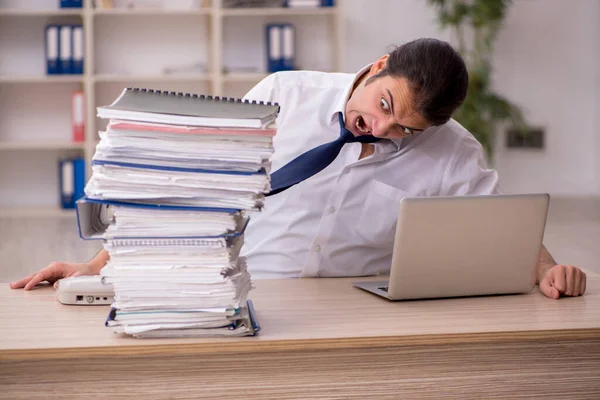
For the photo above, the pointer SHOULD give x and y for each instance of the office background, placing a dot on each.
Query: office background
(546, 60)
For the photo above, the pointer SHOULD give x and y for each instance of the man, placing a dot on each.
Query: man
(340, 221)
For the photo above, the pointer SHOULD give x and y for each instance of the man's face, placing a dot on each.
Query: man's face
(382, 107)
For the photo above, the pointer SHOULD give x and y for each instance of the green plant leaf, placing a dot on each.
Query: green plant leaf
(483, 111)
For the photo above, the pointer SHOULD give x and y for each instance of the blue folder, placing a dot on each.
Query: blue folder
(71, 3)
(252, 319)
(52, 41)
(181, 169)
(77, 54)
(71, 179)
(89, 229)
(65, 50)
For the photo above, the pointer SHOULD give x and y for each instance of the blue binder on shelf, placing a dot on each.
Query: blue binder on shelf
(65, 50)
(288, 59)
(327, 3)
(90, 211)
(71, 3)
(52, 49)
(303, 3)
(280, 45)
(273, 36)
(77, 40)
(71, 181)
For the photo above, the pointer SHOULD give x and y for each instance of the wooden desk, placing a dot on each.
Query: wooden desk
(320, 338)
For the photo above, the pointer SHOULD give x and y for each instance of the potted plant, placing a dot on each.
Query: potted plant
(475, 24)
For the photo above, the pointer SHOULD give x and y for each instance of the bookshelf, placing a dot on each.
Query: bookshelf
(211, 50)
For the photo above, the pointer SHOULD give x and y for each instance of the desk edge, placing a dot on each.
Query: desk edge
(268, 346)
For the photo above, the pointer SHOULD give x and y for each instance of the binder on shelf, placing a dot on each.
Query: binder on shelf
(327, 3)
(274, 55)
(77, 116)
(289, 50)
(77, 41)
(280, 47)
(67, 183)
(71, 3)
(303, 3)
(65, 50)
(52, 50)
(71, 181)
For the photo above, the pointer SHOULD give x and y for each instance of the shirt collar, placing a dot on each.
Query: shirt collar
(340, 106)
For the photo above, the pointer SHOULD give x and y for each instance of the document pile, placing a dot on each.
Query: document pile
(172, 177)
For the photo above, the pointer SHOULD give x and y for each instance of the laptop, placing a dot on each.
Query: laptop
(464, 246)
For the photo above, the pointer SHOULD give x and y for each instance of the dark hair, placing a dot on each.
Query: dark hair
(436, 74)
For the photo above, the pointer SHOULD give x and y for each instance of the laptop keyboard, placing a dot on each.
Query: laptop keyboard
(384, 288)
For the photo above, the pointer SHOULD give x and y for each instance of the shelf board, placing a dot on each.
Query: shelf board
(41, 145)
(250, 77)
(41, 79)
(150, 11)
(277, 11)
(117, 78)
(35, 212)
(24, 12)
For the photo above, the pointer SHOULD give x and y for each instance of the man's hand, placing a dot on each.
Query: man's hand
(563, 280)
(52, 273)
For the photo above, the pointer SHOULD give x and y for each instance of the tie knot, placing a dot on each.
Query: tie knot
(348, 137)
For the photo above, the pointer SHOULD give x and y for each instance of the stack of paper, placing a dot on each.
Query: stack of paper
(172, 177)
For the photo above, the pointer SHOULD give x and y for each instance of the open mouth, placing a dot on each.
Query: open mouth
(361, 125)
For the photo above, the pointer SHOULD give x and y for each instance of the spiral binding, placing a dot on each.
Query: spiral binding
(165, 242)
(203, 96)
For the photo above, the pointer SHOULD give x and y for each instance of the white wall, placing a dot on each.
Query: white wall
(372, 26)
(546, 61)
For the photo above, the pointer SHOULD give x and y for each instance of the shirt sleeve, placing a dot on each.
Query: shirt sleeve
(265, 90)
(468, 173)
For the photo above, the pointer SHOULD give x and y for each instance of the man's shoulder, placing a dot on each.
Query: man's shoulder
(312, 79)
(453, 132)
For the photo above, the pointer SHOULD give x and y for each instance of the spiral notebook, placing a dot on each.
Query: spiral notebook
(164, 107)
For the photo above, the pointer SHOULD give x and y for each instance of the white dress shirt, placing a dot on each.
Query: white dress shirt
(341, 221)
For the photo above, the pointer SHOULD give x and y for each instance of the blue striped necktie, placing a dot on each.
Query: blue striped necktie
(307, 164)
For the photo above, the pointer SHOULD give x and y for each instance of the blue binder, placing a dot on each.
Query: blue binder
(71, 3)
(280, 43)
(87, 209)
(251, 320)
(52, 49)
(327, 3)
(77, 42)
(79, 170)
(288, 41)
(65, 49)
(302, 3)
(273, 44)
(71, 181)
(66, 182)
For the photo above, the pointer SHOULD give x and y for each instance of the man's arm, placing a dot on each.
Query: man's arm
(557, 280)
(98, 261)
(58, 270)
